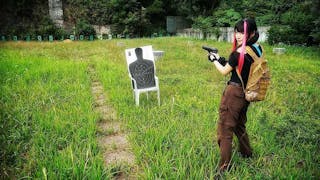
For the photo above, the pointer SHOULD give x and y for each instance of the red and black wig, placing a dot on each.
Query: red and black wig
(247, 27)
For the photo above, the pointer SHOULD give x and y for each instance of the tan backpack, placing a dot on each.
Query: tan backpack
(258, 80)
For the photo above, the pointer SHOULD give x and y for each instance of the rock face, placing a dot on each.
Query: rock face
(56, 12)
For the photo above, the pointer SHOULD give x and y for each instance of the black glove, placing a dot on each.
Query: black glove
(222, 61)
(212, 58)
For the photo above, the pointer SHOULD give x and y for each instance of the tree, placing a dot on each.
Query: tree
(74, 11)
(129, 17)
(226, 18)
(205, 24)
(99, 12)
(299, 20)
(155, 12)
(194, 8)
(295, 24)
(315, 31)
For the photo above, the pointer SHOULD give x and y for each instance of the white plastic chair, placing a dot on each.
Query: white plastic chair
(142, 71)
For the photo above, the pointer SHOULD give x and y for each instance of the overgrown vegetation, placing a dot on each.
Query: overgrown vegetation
(46, 114)
(292, 22)
(48, 127)
(296, 23)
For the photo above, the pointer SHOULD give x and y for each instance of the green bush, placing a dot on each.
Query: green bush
(298, 26)
(43, 28)
(315, 34)
(279, 33)
(226, 17)
(84, 28)
(50, 29)
(285, 34)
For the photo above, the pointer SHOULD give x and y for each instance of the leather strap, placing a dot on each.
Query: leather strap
(253, 55)
(237, 70)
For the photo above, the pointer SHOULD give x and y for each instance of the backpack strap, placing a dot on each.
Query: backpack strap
(239, 75)
(256, 46)
(251, 53)
(254, 56)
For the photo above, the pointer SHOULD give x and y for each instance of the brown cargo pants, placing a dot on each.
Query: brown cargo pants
(232, 112)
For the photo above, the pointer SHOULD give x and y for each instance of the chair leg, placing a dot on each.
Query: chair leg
(147, 95)
(137, 95)
(158, 92)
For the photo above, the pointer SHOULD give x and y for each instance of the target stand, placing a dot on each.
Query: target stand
(142, 69)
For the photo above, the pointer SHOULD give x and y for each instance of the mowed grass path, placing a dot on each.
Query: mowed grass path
(48, 125)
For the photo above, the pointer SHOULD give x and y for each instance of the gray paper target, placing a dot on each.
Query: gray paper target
(142, 69)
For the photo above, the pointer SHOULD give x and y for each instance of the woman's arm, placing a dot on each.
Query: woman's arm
(224, 70)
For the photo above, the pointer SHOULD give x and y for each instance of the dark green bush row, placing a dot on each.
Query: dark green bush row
(45, 37)
(46, 29)
(288, 35)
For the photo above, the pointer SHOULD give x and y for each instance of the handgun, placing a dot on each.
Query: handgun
(210, 49)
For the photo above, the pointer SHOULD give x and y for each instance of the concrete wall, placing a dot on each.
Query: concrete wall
(101, 30)
(56, 12)
(226, 34)
(175, 22)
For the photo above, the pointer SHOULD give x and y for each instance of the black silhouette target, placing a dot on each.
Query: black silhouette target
(142, 70)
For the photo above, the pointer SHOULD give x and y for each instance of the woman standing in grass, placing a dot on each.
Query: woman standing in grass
(233, 106)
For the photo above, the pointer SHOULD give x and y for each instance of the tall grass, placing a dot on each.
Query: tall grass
(49, 126)
(47, 121)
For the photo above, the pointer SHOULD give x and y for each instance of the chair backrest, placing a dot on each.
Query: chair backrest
(141, 66)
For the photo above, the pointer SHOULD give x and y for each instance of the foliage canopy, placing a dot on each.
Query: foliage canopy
(293, 22)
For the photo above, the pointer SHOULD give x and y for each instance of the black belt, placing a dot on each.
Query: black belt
(234, 84)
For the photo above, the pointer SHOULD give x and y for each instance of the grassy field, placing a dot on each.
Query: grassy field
(48, 125)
